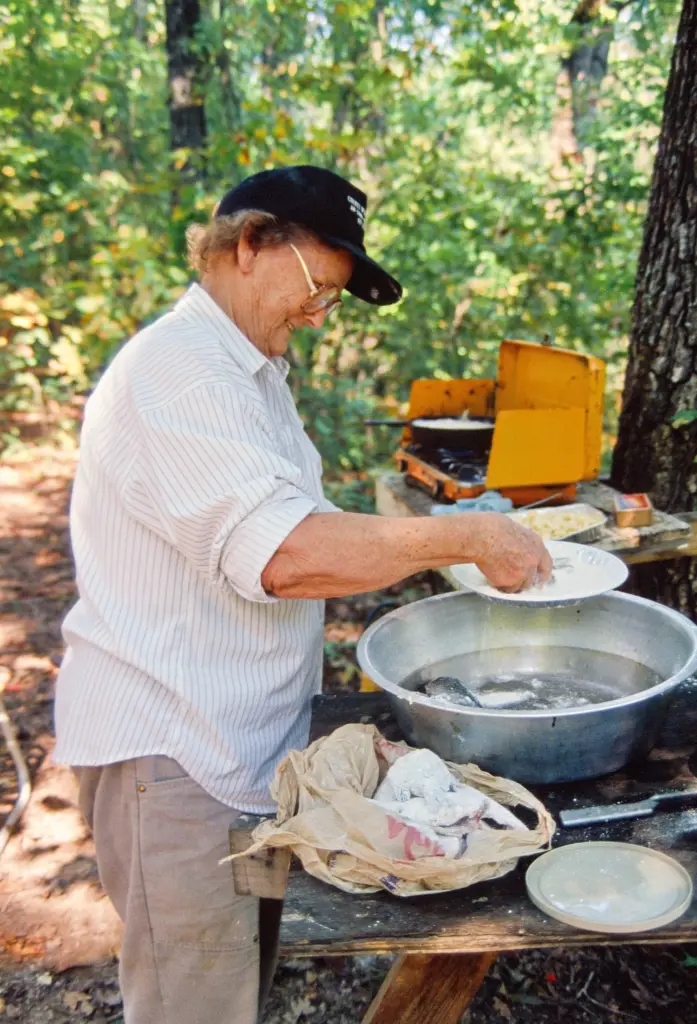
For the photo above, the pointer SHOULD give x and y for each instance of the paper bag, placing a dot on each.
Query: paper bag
(326, 818)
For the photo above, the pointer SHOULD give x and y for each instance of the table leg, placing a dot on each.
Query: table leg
(429, 988)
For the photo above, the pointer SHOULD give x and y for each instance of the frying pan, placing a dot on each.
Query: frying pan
(475, 434)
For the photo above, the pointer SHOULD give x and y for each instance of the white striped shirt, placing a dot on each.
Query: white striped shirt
(194, 467)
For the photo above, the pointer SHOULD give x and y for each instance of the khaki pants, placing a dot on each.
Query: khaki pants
(193, 952)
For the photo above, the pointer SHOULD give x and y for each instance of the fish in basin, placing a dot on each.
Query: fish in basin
(450, 690)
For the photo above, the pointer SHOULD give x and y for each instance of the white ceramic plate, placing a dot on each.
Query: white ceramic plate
(580, 572)
(616, 888)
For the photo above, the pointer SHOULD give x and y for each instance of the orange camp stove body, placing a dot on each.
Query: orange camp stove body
(547, 408)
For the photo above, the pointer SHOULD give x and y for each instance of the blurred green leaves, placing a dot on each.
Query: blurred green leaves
(454, 118)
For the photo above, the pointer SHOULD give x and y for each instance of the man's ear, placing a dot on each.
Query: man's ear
(246, 252)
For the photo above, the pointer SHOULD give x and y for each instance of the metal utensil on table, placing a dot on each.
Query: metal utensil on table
(541, 501)
(602, 814)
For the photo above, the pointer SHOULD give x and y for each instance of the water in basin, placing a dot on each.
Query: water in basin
(539, 678)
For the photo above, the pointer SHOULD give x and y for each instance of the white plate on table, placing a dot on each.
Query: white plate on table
(579, 572)
(616, 888)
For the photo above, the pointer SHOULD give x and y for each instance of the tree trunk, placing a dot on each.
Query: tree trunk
(655, 452)
(231, 99)
(586, 67)
(140, 19)
(186, 111)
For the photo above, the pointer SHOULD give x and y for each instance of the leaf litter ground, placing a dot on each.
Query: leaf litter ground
(38, 982)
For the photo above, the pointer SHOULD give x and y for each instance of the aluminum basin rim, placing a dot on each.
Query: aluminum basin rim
(641, 697)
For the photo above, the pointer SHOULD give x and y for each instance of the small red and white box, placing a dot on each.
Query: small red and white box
(633, 510)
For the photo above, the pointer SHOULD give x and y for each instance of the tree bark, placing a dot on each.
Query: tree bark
(231, 99)
(654, 453)
(140, 19)
(586, 67)
(186, 110)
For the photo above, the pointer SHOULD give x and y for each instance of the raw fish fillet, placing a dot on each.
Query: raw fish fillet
(448, 688)
(421, 790)
(495, 699)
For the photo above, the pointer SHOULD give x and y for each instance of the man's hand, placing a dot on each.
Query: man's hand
(511, 557)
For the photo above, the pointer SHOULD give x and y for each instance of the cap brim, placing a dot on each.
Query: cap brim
(369, 281)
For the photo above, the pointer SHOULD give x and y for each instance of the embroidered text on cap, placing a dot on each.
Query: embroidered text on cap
(358, 209)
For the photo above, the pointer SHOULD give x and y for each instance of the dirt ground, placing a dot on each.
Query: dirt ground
(55, 917)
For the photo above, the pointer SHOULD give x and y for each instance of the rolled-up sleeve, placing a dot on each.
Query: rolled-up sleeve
(225, 492)
(329, 506)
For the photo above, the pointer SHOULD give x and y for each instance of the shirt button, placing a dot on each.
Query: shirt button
(141, 789)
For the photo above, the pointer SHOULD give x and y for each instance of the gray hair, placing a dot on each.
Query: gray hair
(223, 235)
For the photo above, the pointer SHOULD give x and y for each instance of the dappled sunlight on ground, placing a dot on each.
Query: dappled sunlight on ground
(53, 909)
(52, 904)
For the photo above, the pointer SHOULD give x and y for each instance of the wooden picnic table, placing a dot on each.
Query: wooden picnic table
(447, 942)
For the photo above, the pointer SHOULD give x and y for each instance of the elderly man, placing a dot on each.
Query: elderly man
(204, 547)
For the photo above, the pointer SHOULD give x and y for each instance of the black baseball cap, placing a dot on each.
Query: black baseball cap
(330, 207)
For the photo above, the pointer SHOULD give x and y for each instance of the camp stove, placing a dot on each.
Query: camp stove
(443, 473)
(547, 408)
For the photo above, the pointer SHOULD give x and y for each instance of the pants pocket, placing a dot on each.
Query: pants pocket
(190, 897)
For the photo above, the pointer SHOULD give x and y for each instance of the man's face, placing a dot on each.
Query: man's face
(279, 291)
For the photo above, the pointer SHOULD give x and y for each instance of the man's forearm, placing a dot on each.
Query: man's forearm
(335, 554)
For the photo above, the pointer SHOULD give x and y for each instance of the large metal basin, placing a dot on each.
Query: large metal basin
(532, 746)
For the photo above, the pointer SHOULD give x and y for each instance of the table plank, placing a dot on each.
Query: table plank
(320, 920)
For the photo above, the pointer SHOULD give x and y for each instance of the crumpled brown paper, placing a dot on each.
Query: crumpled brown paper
(325, 817)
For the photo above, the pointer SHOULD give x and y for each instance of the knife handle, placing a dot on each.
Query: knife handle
(675, 796)
(599, 815)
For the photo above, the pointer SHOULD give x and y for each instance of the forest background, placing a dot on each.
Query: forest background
(506, 148)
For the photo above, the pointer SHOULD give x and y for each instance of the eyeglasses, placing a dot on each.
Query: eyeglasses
(324, 298)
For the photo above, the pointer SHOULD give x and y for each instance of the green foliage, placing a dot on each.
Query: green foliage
(340, 664)
(455, 118)
(682, 419)
(352, 493)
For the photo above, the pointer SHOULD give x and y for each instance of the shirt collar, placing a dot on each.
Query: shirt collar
(282, 365)
(198, 307)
